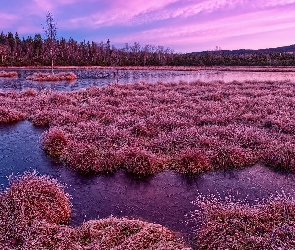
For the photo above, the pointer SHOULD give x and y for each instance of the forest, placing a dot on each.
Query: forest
(37, 51)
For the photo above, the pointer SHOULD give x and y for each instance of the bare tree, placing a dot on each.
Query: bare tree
(50, 32)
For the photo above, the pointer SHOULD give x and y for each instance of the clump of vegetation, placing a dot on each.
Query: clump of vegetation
(54, 142)
(140, 162)
(8, 115)
(113, 233)
(233, 224)
(35, 209)
(31, 198)
(145, 128)
(8, 74)
(281, 158)
(62, 76)
(191, 162)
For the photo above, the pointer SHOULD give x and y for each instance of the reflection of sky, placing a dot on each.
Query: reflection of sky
(183, 25)
(93, 78)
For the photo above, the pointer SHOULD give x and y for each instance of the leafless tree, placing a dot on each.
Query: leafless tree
(50, 30)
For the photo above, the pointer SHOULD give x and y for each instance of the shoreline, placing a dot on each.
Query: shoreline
(173, 68)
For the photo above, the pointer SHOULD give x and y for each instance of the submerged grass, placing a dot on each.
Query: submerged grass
(146, 128)
(34, 212)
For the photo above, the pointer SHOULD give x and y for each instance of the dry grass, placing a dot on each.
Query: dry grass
(233, 225)
(8, 74)
(63, 76)
(145, 128)
(34, 209)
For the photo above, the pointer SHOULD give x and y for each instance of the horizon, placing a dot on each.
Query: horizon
(184, 26)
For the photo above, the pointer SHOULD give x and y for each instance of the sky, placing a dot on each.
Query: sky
(182, 25)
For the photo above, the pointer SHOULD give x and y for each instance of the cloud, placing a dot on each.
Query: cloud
(170, 22)
(7, 20)
(243, 24)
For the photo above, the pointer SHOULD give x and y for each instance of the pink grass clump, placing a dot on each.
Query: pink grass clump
(113, 233)
(234, 127)
(31, 198)
(8, 115)
(191, 161)
(54, 141)
(63, 76)
(281, 157)
(87, 158)
(8, 74)
(41, 118)
(233, 224)
(231, 157)
(140, 162)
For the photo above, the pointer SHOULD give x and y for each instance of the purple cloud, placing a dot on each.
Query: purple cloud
(185, 25)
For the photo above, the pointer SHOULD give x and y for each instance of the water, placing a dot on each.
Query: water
(165, 198)
(99, 78)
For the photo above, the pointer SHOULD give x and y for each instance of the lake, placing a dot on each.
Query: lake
(100, 78)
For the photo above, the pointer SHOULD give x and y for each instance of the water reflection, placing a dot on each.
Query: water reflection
(99, 78)
(165, 198)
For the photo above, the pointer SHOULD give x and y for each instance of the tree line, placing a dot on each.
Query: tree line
(35, 51)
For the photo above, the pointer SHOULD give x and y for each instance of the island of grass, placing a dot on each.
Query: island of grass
(8, 74)
(62, 76)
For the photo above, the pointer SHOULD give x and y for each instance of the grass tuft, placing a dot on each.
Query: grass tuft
(233, 224)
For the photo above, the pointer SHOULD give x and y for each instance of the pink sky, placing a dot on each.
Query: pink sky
(183, 25)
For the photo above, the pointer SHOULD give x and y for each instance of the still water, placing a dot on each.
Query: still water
(99, 78)
(164, 198)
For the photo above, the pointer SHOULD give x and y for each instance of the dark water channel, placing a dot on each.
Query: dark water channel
(165, 198)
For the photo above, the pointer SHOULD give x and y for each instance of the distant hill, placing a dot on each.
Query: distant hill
(284, 49)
